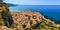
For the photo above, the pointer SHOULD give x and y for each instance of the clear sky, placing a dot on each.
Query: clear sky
(34, 2)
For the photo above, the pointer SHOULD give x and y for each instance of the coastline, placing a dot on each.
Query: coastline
(27, 17)
(48, 19)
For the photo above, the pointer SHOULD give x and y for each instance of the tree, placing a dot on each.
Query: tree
(7, 18)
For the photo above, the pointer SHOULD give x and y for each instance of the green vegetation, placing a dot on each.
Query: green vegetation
(45, 25)
(5, 13)
(1, 22)
(56, 28)
(7, 18)
(36, 26)
(28, 29)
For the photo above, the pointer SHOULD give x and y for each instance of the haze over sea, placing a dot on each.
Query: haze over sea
(49, 11)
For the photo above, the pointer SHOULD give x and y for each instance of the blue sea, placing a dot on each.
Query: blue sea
(49, 11)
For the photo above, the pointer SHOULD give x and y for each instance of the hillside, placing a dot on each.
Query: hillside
(31, 21)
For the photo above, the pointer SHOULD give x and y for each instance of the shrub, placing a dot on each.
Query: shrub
(1, 23)
(27, 29)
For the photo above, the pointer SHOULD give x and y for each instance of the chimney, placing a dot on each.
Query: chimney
(1, 1)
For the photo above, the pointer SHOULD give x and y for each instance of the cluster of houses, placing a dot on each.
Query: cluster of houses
(25, 18)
